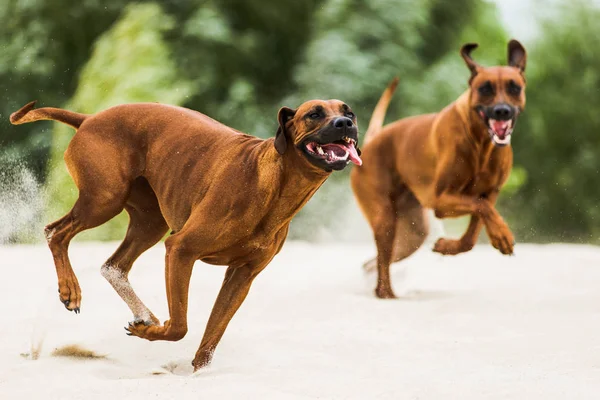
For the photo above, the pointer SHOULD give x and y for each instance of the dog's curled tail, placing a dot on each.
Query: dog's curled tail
(28, 114)
(378, 116)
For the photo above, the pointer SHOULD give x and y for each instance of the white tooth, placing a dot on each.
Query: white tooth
(320, 150)
(506, 140)
(510, 123)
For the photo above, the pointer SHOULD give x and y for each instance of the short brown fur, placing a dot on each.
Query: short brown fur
(227, 197)
(444, 161)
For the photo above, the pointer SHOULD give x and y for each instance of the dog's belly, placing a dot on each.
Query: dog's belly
(229, 227)
(253, 250)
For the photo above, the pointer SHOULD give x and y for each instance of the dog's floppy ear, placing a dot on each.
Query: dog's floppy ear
(465, 52)
(284, 115)
(517, 56)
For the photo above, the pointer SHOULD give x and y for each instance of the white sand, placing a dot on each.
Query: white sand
(476, 326)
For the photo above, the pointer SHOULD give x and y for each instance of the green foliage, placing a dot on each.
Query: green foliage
(360, 46)
(557, 140)
(44, 44)
(130, 63)
(237, 61)
(241, 55)
(447, 77)
(240, 60)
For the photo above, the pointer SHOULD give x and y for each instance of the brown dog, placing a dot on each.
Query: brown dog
(227, 197)
(453, 162)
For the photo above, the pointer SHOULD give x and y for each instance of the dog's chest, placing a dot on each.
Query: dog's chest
(487, 177)
(482, 182)
(251, 250)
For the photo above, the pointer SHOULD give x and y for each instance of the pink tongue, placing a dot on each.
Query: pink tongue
(343, 149)
(353, 154)
(500, 127)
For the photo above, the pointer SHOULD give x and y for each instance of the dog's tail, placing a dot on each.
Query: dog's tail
(28, 114)
(378, 116)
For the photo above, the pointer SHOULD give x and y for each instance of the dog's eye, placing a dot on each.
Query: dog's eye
(314, 115)
(486, 89)
(350, 115)
(513, 88)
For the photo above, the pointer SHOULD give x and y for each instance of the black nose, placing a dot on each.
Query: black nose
(502, 112)
(343, 123)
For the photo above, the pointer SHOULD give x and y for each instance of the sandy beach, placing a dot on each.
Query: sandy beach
(474, 326)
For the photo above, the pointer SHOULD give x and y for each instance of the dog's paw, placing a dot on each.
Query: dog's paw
(147, 330)
(139, 328)
(385, 293)
(69, 293)
(202, 360)
(503, 241)
(451, 247)
(149, 321)
(147, 318)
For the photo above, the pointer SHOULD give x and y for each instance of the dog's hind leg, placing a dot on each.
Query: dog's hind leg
(103, 188)
(411, 230)
(377, 205)
(383, 222)
(87, 213)
(146, 227)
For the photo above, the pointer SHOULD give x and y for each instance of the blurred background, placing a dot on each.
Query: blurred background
(238, 61)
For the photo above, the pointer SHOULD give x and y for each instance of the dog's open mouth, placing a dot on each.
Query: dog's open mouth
(340, 150)
(500, 131)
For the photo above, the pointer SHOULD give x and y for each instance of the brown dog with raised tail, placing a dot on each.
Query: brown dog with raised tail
(454, 162)
(227, 197)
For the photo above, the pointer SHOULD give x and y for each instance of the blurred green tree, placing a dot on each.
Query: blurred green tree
(359, 46)
(235, 60)
(241, 55)
(131, 62)
(557, 139)
(44, 45)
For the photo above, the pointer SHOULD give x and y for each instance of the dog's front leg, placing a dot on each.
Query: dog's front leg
(465, 243)
(179, 263)
(498, 231)
(468, 239)
(235, 287)
(500, 235)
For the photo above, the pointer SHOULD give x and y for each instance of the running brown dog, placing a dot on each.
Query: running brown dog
(453, 162)
(227, 197)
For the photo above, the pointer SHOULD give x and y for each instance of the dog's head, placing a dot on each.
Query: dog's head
(323, 131)
(498, 93)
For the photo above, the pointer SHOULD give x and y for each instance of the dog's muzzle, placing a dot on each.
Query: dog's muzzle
(334, 146)
(500, 119)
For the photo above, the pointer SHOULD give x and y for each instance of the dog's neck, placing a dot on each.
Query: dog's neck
(476, 130)
(298, 179)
